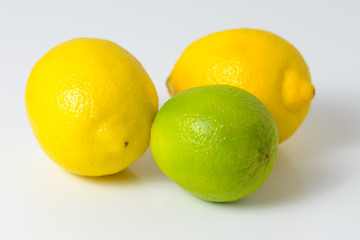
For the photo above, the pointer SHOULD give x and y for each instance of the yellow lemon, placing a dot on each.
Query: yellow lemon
(258, 61)
(91, 105)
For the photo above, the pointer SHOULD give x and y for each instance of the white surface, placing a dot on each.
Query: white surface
(313, 193)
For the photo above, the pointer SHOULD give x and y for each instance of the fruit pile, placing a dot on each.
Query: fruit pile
(236, 95)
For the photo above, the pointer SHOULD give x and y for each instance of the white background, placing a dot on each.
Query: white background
(313, 192)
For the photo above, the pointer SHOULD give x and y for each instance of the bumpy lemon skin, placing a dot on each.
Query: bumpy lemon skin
(91, 105)
(258, 61)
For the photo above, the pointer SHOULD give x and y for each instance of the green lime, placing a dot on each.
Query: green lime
(217, 142)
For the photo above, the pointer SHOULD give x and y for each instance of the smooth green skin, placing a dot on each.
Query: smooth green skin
(217, 142)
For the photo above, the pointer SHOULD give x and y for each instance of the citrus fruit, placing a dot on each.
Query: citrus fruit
(258, 61)
(91, 106)
(217, 142)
